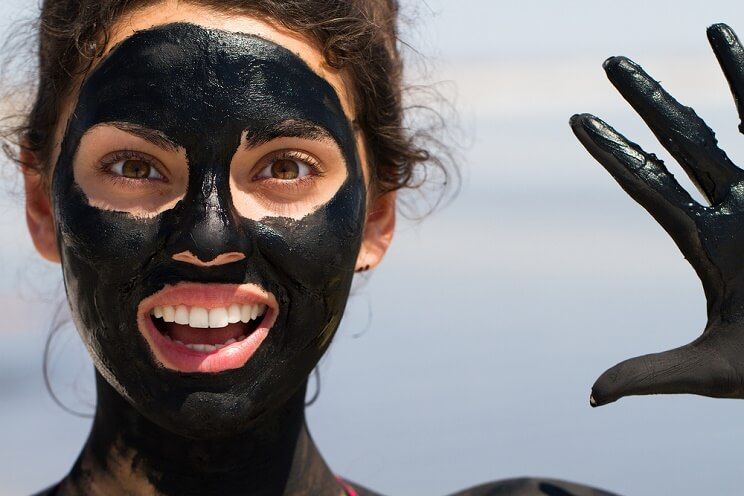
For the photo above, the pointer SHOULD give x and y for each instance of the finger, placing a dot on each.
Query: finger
(641, 175)
(696, 368)
(730, 55)
(679, 129)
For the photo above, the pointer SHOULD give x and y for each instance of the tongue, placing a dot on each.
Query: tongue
(191, 335)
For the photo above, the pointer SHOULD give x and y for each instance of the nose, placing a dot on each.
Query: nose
(209, 232)
(221, 259)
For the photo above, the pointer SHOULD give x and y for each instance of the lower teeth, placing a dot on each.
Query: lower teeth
(209, 347)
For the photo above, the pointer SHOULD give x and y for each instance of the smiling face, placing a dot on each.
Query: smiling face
(210, 202)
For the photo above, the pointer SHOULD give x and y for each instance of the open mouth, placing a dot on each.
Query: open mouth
(206, 327)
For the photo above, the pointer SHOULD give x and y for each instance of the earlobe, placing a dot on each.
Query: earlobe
(378, 232)
(39, 217)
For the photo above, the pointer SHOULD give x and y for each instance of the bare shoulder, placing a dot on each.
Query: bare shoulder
(533, 487)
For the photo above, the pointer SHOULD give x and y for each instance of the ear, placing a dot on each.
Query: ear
(378, 232)
(39, 216)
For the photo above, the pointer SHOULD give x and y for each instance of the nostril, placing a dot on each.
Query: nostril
(221, 259)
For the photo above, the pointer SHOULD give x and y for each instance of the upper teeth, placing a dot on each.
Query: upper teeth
(209, 317)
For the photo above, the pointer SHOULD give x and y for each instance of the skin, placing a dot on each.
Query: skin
(710, 235)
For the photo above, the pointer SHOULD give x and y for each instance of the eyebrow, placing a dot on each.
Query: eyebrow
(288, 129)
(155, 137)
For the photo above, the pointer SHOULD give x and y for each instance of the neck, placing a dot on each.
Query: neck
(127, 454)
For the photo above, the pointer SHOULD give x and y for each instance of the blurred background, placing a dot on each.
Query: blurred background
(469, 355)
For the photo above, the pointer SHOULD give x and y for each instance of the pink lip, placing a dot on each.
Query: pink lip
(178, 357)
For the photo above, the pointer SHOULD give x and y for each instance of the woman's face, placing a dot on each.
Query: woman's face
(209, 201)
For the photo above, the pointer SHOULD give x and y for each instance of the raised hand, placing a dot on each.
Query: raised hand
(711, 237)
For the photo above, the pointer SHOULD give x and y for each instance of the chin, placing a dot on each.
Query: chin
(211, 405)
(205, 416)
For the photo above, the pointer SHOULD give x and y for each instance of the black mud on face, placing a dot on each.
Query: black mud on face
(203, 89)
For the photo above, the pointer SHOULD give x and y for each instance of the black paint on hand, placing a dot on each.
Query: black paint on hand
(711, 237)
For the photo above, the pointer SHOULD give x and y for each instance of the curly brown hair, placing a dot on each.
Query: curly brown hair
(359, 37)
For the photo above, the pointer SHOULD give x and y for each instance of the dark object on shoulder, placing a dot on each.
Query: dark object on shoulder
(533, 487)
(517, 487)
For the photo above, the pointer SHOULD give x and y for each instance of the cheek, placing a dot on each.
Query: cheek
(110, 242)
(103, 257)
(312, 261)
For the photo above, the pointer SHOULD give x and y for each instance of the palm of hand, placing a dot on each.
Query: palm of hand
(711, 237)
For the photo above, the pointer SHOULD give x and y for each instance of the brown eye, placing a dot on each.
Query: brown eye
(285, 169)
(134, 168)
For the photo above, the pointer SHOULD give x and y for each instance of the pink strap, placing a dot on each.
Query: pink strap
(347, 488)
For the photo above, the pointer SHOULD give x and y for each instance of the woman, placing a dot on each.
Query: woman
(210, 175)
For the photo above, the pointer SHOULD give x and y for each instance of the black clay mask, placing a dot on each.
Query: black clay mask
(204, 90)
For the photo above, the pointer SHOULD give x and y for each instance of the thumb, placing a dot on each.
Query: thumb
(696, 368)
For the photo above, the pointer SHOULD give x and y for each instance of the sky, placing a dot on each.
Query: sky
(469, 354)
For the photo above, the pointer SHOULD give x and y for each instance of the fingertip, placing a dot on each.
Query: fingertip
(609, 387)
(600, 397)
(594, 134)
(584, 127)
(591, 126)
(618, 62)
(610, 61)
(595, 403)
(718, 30)
(577, 120)
(724, 41)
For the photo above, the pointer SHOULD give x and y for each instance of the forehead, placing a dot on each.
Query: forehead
(185, 80)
